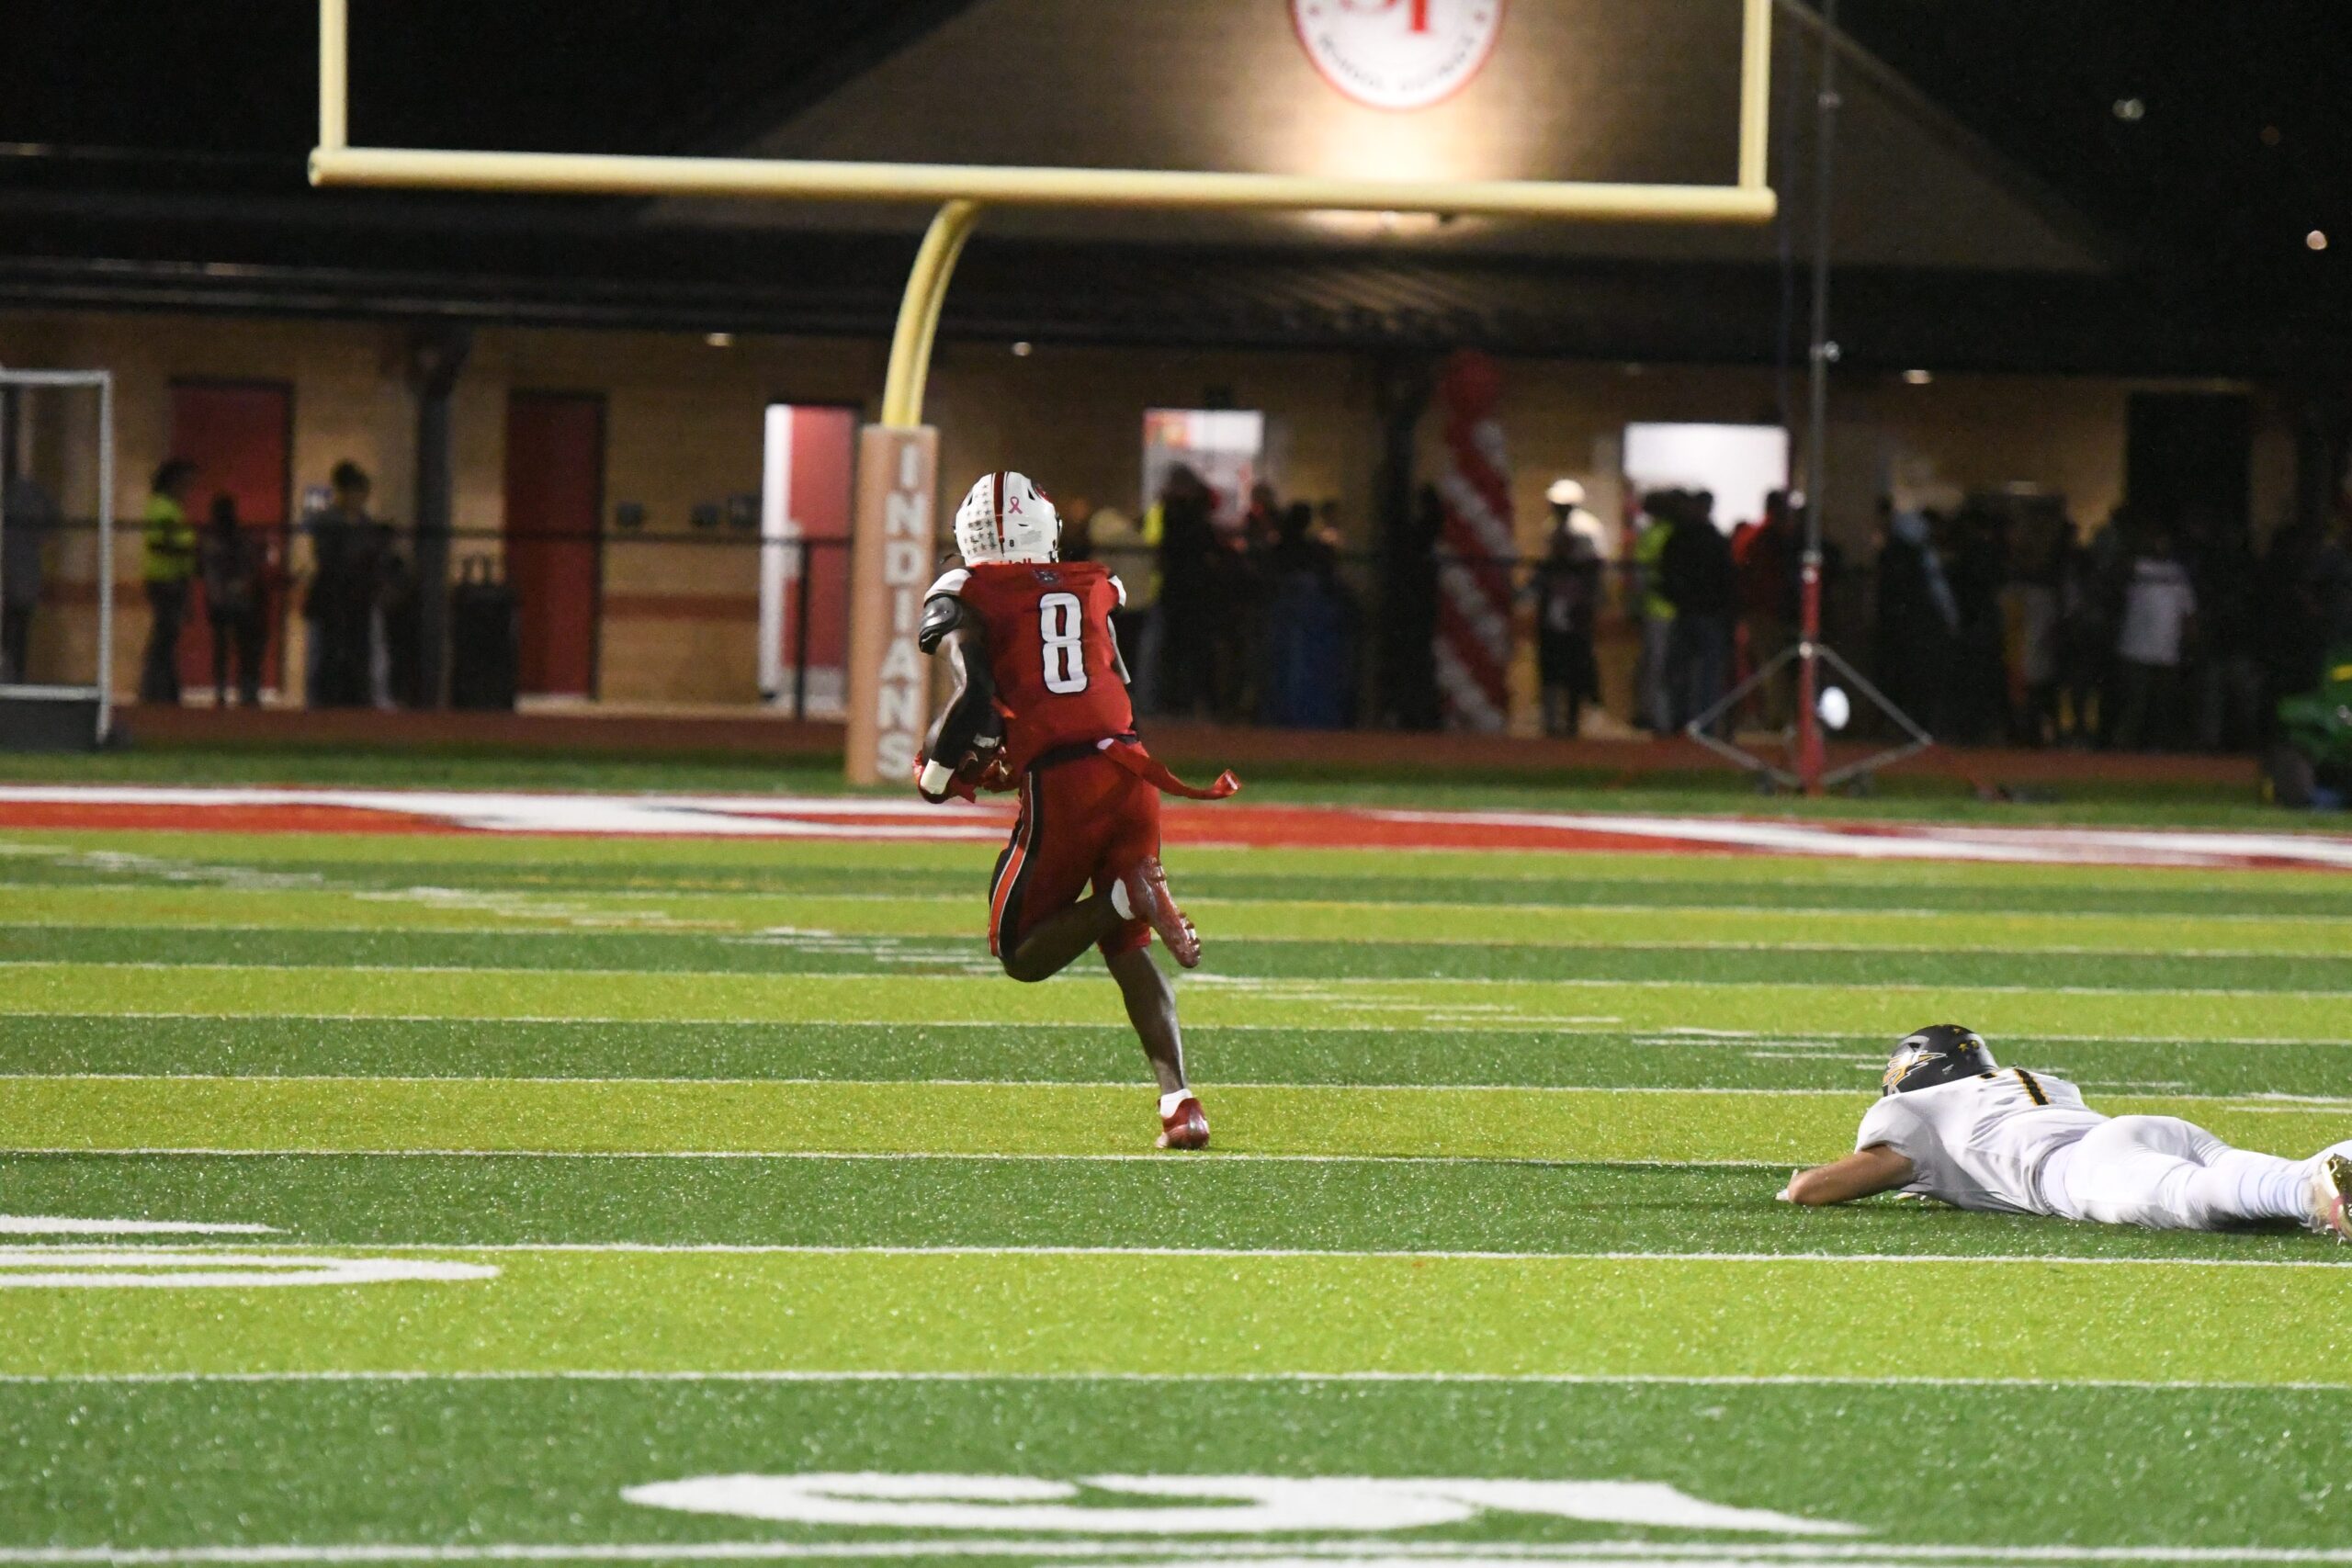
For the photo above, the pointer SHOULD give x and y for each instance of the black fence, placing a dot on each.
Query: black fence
(1343, 640)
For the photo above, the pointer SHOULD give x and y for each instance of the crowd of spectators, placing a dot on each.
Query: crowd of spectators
(1711, 606)
(1988, 624)
(357, 598)
(2164, 630)
(1996, 622)
(1237, 615)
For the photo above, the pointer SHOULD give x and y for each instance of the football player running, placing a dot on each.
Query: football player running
(1951, 1125)
(1040, 705)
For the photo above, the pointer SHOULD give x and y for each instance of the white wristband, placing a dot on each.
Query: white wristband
(936, 776)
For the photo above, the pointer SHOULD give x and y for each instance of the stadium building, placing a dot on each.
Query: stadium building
(580, 386)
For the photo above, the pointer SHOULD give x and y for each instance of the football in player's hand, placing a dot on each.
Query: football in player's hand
(983, 765)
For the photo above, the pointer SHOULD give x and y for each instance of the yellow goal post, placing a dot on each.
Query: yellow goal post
(963, 193)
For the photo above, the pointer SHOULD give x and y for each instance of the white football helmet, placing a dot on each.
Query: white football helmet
(1006, 518)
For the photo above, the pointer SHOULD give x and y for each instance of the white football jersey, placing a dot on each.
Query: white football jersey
(1981, 1142)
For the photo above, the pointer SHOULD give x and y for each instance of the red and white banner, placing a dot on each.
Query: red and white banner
(1476, 547)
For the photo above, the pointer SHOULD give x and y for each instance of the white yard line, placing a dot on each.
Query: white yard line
(2252, 1102)
(795, 1375)
(1698, 908)
(143, 1151)
(1272, 984)
(1441, 1255)
(1368, 1552)
(1597, 1027)
(592, 925)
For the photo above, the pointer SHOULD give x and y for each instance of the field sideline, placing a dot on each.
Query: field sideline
(466, 1196)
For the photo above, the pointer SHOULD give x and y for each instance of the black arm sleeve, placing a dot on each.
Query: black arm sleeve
(942, 613)
(971, 707)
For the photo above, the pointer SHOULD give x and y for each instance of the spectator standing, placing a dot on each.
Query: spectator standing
(1697, 566)
(2332, 586)
(1308, 680)
(1655, 680)
(347, 556)
(2159, 612)
(1131, 551)
(28, 517)
(2031, 603)
(2292, 630)
(2107, 570)
(235, 564)
(1262, 524)
(1187, 545)
(168, 562)
(1567, 603)
(1766, 558)
(1979, 681)
(1918, 620)
(2229, 674)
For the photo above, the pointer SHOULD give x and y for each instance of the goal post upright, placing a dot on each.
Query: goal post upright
(961, 192)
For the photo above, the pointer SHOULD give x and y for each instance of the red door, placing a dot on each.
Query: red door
(240, 434)
(806, 506)
(555, 510)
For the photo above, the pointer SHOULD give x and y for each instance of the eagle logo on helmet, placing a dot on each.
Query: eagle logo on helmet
(1936, 1054)
(1908, 1059)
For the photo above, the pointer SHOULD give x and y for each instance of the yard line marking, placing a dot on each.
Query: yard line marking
(755, 1249)
(1367, 1551)
(855, 1375)
(1274, 984)
(2261, 1101)
(134, 1268)
(589, 924)
(146, 1151)
(1498, 1026)
(707, 891)
(61, 1225)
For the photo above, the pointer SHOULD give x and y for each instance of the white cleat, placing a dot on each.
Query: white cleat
(2331, 1195)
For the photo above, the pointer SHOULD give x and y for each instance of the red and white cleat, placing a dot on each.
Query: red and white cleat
(1147, 895)
(1184, 1127)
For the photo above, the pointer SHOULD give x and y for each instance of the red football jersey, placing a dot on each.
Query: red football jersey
(1051, 649)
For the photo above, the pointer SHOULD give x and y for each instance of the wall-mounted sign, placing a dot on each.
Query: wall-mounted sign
(1398, 54)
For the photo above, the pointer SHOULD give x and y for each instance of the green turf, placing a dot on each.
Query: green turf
(1517, 1119)
(270, 991)
(1056, 1312)
(359, 1116)
(545, 1462)
(818, 952)
(1349, 1205)
(1592, 1056)
(1424, 921)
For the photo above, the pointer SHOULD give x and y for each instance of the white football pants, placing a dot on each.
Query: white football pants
(2165, 1174)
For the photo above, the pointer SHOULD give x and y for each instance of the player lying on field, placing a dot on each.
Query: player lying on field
(1040, 705)
(1950, 1124)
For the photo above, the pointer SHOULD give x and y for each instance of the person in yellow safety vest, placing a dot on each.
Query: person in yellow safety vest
(1656, 686)
(168, 561)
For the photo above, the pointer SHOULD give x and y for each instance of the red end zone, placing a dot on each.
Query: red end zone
(862, 819)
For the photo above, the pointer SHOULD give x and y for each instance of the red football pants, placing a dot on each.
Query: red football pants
(1082, 820)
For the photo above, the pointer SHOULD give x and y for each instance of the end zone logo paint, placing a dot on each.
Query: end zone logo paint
(1398, 54)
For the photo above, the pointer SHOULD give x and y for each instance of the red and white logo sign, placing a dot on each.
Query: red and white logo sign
(1398, 54)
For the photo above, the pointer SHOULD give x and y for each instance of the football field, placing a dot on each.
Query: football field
(450, 1197)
